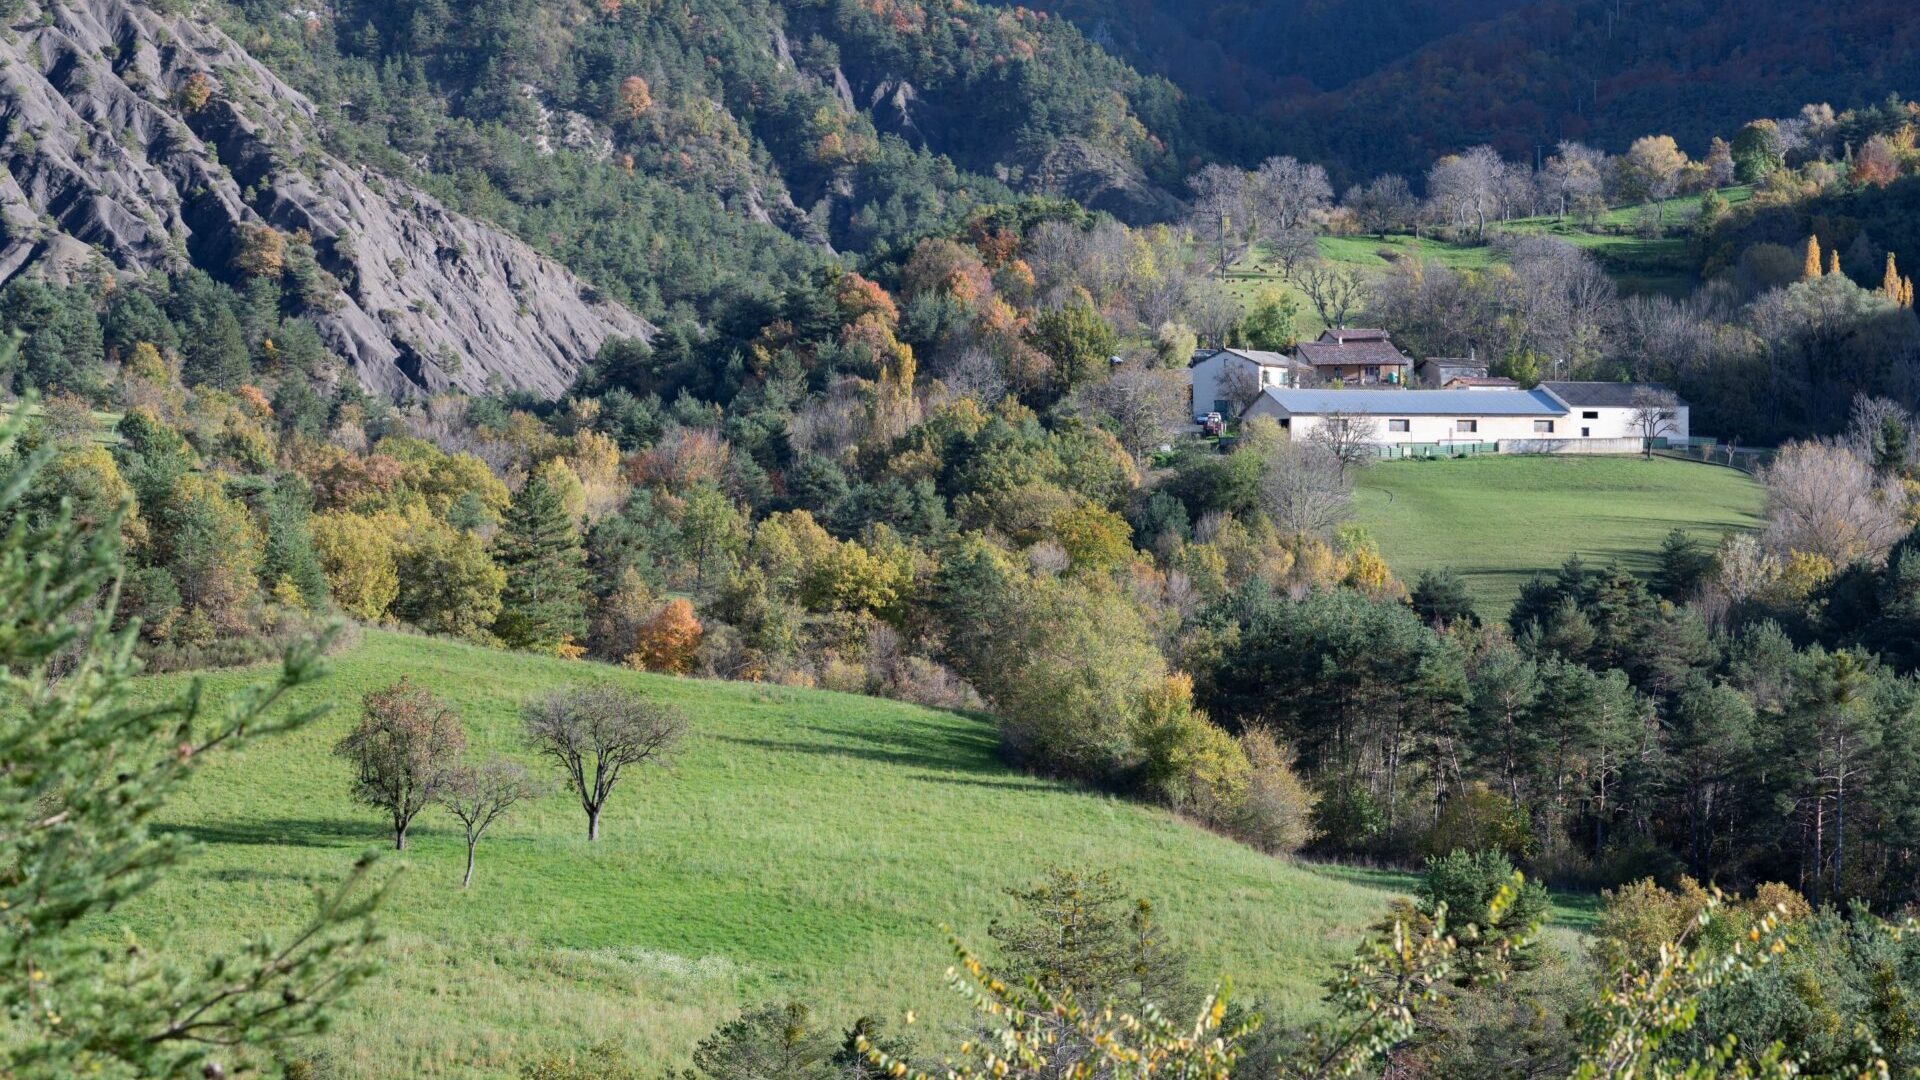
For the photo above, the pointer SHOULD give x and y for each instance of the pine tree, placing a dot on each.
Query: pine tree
(288, 554)
(89, 767)
(1810, 268)
(544, 605)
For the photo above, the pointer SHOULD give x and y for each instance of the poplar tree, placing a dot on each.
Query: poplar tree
(1810, 270)
(544, 606)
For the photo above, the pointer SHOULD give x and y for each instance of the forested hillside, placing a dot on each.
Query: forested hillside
(1366, 86)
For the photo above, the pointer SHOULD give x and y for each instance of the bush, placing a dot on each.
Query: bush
(1276, 815)
(1346, 818)
(1477, 819)
(1187, 761)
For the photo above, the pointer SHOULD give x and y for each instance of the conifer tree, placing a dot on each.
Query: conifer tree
(1833, 262)
(87, 770)
(543, 607)
(1890, 281)
(1810, 268)
(288, 554)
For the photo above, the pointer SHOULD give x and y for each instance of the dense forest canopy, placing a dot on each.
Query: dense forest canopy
(1366, 86)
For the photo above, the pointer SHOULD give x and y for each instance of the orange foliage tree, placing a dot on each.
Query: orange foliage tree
(668, 641)
(636, 97)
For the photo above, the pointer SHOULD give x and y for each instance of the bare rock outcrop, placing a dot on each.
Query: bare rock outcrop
(155, 140)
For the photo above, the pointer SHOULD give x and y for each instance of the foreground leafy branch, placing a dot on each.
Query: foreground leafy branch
(1641, 1024)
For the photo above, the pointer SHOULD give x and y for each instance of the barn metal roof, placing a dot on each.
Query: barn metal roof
(1417, 402)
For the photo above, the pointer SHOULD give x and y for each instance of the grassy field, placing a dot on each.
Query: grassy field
(805, 844)
(1637, 265)
(1499, 519)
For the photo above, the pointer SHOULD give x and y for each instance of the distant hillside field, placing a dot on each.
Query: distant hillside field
(1500, 519)
(1639, 266)
(806, 845)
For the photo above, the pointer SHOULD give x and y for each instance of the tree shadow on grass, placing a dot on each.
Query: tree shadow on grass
(291, 832)
(926, 738)
(1031, 785)
(947, 753)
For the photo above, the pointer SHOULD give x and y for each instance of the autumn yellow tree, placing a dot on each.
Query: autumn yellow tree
(636, 97)
(1810, 267)
(263, 251)
(1890, 285)
(358, 557)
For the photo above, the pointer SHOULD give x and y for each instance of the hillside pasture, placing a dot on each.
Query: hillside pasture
(805, 845)
(1639, 265)
(1499, 520)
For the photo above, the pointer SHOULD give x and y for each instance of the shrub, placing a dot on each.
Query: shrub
(1476, 819)
(1276, 814)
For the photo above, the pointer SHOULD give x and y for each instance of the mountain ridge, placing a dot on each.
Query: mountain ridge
(154, 142)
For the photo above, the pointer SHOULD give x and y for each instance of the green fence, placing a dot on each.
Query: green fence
(1436, 449)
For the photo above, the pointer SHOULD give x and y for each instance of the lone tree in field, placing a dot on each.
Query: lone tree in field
(404, 750)
(595, 733)
(480, 795)
(87, 769)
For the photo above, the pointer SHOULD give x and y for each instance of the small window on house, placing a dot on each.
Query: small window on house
(1399, 425)
(1372, 373)
(1666, 414)
(1543, 427)
(1590, 414)
(1466, 426)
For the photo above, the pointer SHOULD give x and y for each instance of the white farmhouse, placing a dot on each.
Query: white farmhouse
(1419, 416)
(1213, 372)
(1616, 410)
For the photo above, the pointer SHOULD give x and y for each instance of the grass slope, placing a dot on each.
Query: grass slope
(1500, 519)
(1638, 265)
(805, 843)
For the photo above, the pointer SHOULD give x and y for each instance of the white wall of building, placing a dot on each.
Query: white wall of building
(1429, 429)
(1206, 377)
(1611, 422)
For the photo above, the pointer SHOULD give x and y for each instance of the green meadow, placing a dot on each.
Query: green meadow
(804, 845)
(1499, 520)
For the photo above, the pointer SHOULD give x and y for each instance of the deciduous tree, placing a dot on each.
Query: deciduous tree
(479, 795)
(597, 733)
(404, 751)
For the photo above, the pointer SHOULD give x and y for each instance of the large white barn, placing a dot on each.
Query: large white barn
(1542, 418)
(1610, 410)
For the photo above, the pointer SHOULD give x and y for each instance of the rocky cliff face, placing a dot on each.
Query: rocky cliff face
(153, 140)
